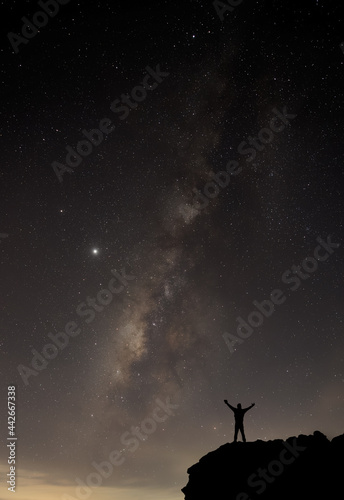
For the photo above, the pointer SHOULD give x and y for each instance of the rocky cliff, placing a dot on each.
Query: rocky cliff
(300, 467)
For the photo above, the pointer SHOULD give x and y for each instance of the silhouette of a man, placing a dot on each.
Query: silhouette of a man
(239, 419)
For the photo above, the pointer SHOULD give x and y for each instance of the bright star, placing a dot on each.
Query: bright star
(95, 251)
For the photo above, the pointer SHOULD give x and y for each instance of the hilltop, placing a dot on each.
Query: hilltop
(298, 467)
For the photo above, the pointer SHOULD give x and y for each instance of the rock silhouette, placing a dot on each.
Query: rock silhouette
(299, 468)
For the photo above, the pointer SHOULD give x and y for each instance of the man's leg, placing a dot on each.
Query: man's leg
(242, 433)
(236, 433)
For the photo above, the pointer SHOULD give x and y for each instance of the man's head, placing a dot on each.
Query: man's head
(239, 406)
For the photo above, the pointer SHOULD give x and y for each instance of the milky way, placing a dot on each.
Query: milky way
(177, 224)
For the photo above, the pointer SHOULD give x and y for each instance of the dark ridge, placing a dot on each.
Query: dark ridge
(298, 468)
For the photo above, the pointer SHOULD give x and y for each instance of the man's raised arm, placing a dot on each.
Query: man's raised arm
(230, 406)
(249, 407)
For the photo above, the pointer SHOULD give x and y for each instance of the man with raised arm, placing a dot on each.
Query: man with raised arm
(239, 419)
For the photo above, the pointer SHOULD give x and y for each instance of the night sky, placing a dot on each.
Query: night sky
(149, 258)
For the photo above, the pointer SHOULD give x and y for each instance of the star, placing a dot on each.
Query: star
(95, 251)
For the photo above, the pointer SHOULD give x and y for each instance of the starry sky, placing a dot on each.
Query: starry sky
(141, 259)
